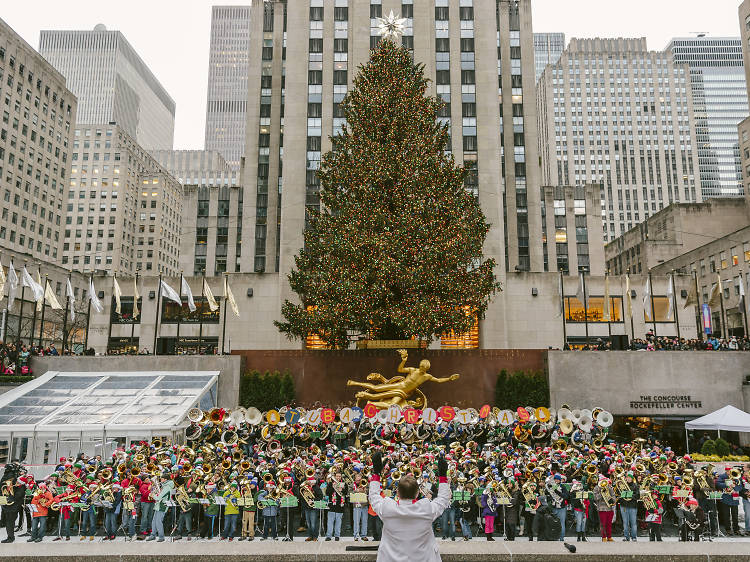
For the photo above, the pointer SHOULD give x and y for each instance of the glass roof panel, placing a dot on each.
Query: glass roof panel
(44, 400)
(103, 402)
(166, 402)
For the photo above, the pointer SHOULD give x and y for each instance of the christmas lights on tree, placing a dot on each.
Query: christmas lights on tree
(396, 250)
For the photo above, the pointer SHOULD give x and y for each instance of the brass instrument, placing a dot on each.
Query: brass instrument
(215, 416)
(245, 465)
(91, 468)
(307, 494)
(528, 491)
(182, 498)
(606, 494)
(106, 475)
(702, 480)
(647, 499)
(621, 486)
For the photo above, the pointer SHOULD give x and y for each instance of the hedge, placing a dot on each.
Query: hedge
(15, 378)
(267, 391)
(521, 388)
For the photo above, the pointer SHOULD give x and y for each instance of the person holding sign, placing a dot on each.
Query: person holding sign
(249, 493)
(270, 511)
(407, 523)
(336, 492)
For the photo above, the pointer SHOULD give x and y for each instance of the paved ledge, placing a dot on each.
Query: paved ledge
(477, 550)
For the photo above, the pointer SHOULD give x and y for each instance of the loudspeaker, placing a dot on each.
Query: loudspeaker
(619, 342)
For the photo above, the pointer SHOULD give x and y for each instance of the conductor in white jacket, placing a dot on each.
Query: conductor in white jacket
(407, 523)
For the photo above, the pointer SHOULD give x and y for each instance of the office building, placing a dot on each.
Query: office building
(674, 231)
(112, 83)
(547, 50)
(228, 65)
(36, 132)
(717, 79)
(123, 209)
(743, 128)
(212, 200)
(571, 229)
(614, 113)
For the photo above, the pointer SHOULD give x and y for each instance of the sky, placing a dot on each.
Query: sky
(172, 36)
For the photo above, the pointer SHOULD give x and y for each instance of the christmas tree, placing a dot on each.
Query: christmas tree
(396, 250)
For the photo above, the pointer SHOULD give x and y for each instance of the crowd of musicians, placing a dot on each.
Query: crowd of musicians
(252, 480)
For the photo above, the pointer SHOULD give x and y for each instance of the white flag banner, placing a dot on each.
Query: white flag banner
(189, 294)
(50, 298)
(93, 298)
(117, 293)
(606, 314)
(647, 298)
(626, 296)
(230, 298)
(2, 282)
(212, 304)
(28, 281)
(581, 292)
(136, 296)
(40, 302)
(12, 285)
(670, 298)
(169, 293)
(71, 299)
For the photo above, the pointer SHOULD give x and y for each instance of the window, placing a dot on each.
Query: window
(661, 304)
(574, 311)
(735, 256)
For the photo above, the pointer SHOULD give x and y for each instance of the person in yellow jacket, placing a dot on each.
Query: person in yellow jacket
(231, 511)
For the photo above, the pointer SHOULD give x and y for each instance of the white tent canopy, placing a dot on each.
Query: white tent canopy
(90, 411)
(727, 418)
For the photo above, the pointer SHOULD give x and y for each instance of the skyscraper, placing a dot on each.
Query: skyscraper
(614, 113)
(211, 235)
(229, 58)
(547, 50)
(38, 115)
(743, 128)
(112, 83)
(479, 57)
(124, 210)
(717, 79)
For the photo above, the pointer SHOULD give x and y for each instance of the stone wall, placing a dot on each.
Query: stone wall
(322, 375)
(649, 383)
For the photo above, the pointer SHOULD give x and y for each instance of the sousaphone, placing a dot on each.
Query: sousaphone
(253, 416)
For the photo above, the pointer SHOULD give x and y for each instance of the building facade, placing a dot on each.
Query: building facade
(547, 50)
(614, 113)
(488, 89)
(112, 83)
(674, 231)
(124, 210)
(571, 227)
(212, 201)
(743, 128)
(717, 79)
(228, 65)
(36, 133)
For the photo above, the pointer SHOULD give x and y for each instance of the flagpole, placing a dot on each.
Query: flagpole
(132, 318)
(651, 297)
(585, 306)
(109, 329)
(179, 318)
(607, 307)
(156, 322)
(674, 304)
(88, 316)
(724, 327)
(65, 317)
(44, 299)
(224, 328)
(629, 307)
(744, 300)
(562, 308)
(33, 319)
(20, 312)
(200, 314)
(698, 316)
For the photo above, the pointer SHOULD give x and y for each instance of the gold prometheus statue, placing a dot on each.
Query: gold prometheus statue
(398, 390)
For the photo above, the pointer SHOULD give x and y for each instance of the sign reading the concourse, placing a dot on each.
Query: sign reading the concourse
(665, 402)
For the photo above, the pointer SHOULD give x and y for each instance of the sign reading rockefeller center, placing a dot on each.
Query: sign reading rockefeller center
(665, 402)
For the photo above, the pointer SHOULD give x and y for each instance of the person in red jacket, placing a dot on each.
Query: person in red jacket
(147, 507)
(41, 501)
(653, 517)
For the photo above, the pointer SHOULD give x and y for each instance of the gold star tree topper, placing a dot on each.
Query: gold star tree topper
(391, 27)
